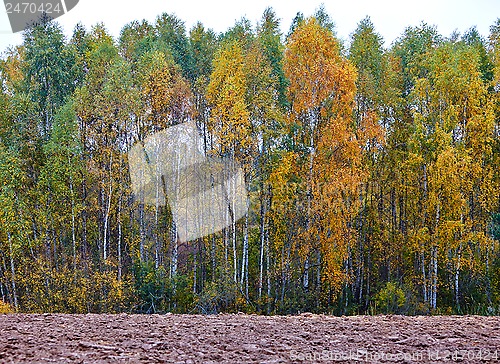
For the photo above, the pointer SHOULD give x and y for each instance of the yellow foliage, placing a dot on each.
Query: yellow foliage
(5, 308)
(230, 119)
(322, 89)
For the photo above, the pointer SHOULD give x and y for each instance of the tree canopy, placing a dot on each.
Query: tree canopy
(371, 171)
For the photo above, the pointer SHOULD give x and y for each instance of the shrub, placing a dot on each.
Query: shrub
(5, 308)
(390, 299)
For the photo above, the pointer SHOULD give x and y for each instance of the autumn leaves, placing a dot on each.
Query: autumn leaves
(370, 171)
(321, 92)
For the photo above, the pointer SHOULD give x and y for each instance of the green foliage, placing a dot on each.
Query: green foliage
(203, 43)
(172, 38)
(411, 49)
(136, 39)
(48, 63)
(495, 226)
(221, 296)
(390, 299)
(153, 288)
(157, 292)
(473, 39)
(269, 37)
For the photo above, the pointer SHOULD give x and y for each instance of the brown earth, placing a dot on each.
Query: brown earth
(247, 339)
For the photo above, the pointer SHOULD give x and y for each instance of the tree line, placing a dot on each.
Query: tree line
(373, 173)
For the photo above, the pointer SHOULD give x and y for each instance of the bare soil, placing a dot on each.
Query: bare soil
(242, 338)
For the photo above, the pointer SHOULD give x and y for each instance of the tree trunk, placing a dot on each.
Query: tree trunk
(434, 276)
(424, 279)
(142, 233)
(434, 262)
(268, 275)
(108, 210)
(119, 245)
(2, 292)
(306, 273)
(84, 220)
(195, 268)
(175, 253)
(213, 256)
(73, 227)
(488, 280)
(313, 121)
(262, 240)
(457, 277)
(235, 257)
(157, 228)
(12, 271)
(6, 283)
(244, 260)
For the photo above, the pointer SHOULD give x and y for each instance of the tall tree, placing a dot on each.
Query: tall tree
(136, 38)
(454, 121)
(48, 66)
(374, 112)
(172, 37)
(230, 122)
(325, 137)
(60, 178)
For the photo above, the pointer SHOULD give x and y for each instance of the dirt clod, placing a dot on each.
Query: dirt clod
(243, 338)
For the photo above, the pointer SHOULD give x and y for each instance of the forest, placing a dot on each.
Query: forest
(373, 172)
